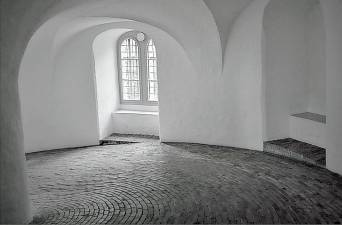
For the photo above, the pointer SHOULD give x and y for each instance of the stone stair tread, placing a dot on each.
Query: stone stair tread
(298, 150)
(128, 139)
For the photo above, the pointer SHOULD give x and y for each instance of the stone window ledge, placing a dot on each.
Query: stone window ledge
(311, 116)
(135, 112)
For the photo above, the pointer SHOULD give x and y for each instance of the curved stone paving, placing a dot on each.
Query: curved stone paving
(179, 183)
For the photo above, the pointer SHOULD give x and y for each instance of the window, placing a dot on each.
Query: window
(138, 70)
(152, 72)
(130, 75)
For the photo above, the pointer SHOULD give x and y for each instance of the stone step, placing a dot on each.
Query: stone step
(118, 139)
(297, 150)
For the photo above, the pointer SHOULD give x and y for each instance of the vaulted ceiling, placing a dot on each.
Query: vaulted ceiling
(224, 13)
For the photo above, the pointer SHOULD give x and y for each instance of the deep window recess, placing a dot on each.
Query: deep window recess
(138, 76)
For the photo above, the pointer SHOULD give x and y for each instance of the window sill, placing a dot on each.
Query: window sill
(136, 112)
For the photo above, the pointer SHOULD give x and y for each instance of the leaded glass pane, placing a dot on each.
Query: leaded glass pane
(152, 72)
(130, 77)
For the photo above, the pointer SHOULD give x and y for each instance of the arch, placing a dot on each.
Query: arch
(225, 13)
(197, 31)
(204, 60)
(28, 16)
(60, 74)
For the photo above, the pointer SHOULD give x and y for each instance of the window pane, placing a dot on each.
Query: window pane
(130, 77)
(131, 90)
(152, 72)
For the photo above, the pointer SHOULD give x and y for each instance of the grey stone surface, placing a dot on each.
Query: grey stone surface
(312, 116)
(295, 149)
(128, 138)
(179, 183)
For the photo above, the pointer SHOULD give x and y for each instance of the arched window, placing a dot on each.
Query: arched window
(152, 72)
(130, 71)
(138, 70)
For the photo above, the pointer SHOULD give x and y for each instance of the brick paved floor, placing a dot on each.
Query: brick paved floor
(179, 183)
(298, 150)
(128, 138)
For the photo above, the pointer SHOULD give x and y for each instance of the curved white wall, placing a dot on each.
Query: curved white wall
(43, 127)
(186, 95)
(56, 114)
(107, 88)
(225, 12)
(189, 22)
(317, 60)
(332, 21)
(71, 88)
(242, 80)
(286, 64)
(229, 104)
(294, 63)
(193, 26)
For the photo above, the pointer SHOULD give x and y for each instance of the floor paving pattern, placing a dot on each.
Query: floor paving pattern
(157, 183)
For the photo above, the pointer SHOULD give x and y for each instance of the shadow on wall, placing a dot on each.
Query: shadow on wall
(106, 74)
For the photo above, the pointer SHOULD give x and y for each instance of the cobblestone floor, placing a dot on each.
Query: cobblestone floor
(179, 183)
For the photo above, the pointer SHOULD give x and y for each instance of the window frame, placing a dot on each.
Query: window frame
(143, 70)
(148, 69)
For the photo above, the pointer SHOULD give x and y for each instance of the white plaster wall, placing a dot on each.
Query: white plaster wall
(36, 105)
(225, 12)
(240, 113)
(308, 131)
(28, 16)
(135, 123)
(189, 22)
(196, 103)
(111, 116)
(192, 38)
(74, 96)
(60, 111)
(75, 102)
(317, 60)
(286, 77)
(107, 89)
(223, 110)
(332, 20)
(222, 120)
(53, 89)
